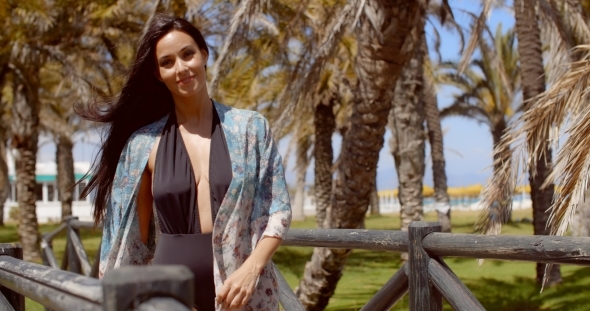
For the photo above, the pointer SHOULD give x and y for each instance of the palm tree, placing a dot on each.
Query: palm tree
(324, 126)
(563, 24)
(356, 168)
(303, 143)
(435, 138)
(533, 84)
(483, 95)
(383, 40)
(4, 134)
(406, 120)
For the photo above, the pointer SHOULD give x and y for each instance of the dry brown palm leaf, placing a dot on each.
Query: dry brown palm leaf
(565, 102)
(240, 22)
(562, 25)
(479, 26)
(302, 82)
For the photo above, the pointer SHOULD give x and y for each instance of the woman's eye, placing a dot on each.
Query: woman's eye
(189, 53)
(166, 63)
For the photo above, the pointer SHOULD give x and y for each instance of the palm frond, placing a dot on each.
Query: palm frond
(303, 81)
(565, 100)
(479, 25)
(240, 21)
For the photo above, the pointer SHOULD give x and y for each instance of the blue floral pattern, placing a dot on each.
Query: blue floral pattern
(256, 203)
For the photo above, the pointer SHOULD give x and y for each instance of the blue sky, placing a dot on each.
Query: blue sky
(468, 145)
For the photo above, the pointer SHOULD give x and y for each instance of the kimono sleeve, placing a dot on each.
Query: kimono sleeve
(271, 191)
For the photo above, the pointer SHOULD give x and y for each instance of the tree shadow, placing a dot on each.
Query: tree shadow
(523, 294)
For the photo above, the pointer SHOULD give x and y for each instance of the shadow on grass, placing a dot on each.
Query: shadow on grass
(523, 294)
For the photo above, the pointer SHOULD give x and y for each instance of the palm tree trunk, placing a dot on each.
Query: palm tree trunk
(533, 83)
(406, 120)
(383, 49)
(301, 165)
(374, 203)
(4, 180)
(435, 137)
(25, 130)
(325, 124)
(65, 174)
(581, 221)
(439, 174)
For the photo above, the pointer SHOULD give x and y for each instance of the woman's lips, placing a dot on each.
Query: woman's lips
(185, 80)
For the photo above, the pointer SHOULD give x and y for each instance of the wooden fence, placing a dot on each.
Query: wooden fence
(425, 276)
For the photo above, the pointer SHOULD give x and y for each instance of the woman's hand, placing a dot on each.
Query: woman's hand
(238, 287)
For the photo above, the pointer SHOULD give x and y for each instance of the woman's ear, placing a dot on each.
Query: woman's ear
(205, 56)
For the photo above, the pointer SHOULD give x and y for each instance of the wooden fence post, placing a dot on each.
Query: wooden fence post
(423, 295)
(16, 301)
(127, 287)
(72, 257)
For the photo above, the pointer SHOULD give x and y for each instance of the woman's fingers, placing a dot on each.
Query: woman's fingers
(236, 302)
(222, 293)
(246, 298)
(229, 298)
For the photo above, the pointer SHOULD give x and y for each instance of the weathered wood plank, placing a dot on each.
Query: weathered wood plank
(94, 271)
(454, 291)
(4, 304)
(162, 303)
(390, 293)
(287, 297)
(51, 235)
(379, 240)
(48, 255)
(537, 248)
(65, 260)
(127, 287)
(74, 239)
(16, 300)
(74, 264)
(77, 224)
(423, 296)
(73, 260)
(56, 289)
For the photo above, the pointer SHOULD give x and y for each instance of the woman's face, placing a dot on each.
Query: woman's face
(181, 64)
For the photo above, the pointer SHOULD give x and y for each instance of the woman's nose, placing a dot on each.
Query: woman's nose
(181, 66)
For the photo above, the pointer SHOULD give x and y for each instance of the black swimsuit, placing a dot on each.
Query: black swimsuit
(175, 196)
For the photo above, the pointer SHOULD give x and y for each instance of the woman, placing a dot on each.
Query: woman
(185, 180)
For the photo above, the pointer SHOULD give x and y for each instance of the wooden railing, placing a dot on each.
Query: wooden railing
(425, 276)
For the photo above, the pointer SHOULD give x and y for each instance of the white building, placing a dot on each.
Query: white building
(48, 204)
(389, 203)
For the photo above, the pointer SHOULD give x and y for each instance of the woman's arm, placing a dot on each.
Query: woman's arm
(144, 205)
(240, 285)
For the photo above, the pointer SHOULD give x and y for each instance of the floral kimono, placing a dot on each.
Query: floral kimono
(256, 203)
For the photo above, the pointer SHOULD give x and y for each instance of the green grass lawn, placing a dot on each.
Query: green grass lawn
(499, 285)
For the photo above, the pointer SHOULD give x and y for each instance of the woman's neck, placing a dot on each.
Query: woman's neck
(192, 111)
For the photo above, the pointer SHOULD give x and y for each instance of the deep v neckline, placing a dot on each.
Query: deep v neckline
(175, 185)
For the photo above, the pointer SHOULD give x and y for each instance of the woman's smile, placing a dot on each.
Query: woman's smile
(187, 80)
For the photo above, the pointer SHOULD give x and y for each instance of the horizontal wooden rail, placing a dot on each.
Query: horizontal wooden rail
(537, 248)
(56, 289)
(376, 240)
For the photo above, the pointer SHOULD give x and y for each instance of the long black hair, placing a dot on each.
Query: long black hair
(143, 100)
